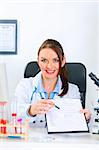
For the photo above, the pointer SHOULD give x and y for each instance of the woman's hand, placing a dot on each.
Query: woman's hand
(87, 113)
(41, 107)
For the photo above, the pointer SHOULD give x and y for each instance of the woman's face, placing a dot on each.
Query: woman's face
(49, 63)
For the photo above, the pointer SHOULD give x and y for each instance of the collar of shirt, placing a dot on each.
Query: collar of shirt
(40, 88)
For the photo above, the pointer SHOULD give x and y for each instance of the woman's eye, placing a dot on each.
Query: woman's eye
(55, 60)
(44, 60)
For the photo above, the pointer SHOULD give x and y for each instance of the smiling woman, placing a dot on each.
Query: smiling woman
(52, 63)
(49, 65)
(49, 84)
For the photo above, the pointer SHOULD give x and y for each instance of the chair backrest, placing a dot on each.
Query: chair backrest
(76, 75)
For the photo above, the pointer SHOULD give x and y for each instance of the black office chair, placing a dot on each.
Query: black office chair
(76, 75)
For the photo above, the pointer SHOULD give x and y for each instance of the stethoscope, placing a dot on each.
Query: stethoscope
(41, 96)
(32, 94)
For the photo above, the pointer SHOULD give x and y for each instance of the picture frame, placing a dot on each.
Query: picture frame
(8, 36)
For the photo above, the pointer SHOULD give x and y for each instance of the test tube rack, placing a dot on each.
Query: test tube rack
(4, 130)
(6, 127)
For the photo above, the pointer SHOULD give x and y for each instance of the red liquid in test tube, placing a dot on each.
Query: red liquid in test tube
(3, 117)
(14, 121)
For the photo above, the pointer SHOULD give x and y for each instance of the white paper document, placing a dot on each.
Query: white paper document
(66, 119)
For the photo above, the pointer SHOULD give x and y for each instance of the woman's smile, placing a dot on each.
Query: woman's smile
(50, 71)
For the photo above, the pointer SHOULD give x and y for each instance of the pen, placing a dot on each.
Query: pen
(57, 107)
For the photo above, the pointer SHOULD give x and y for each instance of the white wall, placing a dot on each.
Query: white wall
(98, 37)
(74, 24)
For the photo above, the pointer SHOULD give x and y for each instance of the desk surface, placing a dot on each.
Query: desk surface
(40, 135)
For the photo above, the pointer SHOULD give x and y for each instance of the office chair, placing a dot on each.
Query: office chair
(76, 75)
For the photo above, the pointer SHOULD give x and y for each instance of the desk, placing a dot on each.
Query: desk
(38, 137)
(41, 135)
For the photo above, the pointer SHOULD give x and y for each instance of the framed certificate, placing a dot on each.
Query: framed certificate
(8, 36)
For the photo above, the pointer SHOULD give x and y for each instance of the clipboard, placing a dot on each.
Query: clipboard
(67, 119)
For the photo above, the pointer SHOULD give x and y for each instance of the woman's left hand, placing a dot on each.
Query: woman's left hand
(87, 113)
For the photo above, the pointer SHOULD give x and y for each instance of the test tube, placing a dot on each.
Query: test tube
(5, 117)
(1, 117)
(20, 123)
(14, 121)
(3, 120)
(14, 114)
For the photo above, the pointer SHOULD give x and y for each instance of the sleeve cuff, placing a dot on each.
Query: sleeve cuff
(28, 116)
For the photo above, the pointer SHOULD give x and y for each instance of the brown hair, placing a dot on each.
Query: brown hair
(56, 46)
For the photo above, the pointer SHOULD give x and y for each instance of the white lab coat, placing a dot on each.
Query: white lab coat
(26, 88)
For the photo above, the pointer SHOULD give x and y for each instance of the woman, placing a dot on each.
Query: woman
(35, 95)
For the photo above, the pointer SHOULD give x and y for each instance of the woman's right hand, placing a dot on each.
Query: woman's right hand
(41, 107)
